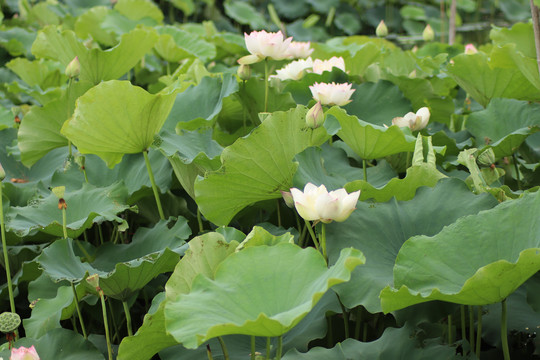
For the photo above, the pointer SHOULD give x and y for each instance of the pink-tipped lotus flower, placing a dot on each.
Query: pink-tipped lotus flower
(413, 121)
(23, 353)
(316, 203)
(294, 70)
(299, 50)
(332, 94)
(262, 45)
(320, 66)
(470, 49)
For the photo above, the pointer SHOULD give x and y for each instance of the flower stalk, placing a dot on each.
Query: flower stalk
(504, 332)
(4, 246)
(128, 317)
(83, 328)
(154, 186)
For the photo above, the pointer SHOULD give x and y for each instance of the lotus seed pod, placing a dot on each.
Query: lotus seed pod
(486, 158)
(9, 322)
(59, 191)
(93, 280)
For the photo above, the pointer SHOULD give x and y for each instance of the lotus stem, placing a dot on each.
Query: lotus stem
(266, 85)
(450, 330)
(364, 333)
(517, 171)
(128, 317)
(364, 166)
(463, 325)
(267, 357)
(79, 311)
(452, 25)
(106, 324)
(253, 347)
(345, 317)
(199, 220)
(223, 348)
(154, 187)
(100, 232)
(209, 352)
(323, 241)
(313, 237)
(504, 332)
(279, 349)
(278, 213)
(479, 333)
(6, 256)
(301, 231)
(64, 222)
(358, 323)
(471, 327)
(535, 12)
(443, 19)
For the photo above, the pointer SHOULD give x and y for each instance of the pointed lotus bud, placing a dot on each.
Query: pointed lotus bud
(2, 173)
(315, 116)
(382, 30)
(470, 49)
(287, 197)
(244, 72)
(93, 280)
(428, 33)
(74, 68)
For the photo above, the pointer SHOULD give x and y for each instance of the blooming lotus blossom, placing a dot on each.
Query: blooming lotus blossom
(470, 49)
(294, 70)
(23, 353)
(413, 121)
(332, 94)
(299, 49)
(316, 203)
(320, 66)
(262, 45)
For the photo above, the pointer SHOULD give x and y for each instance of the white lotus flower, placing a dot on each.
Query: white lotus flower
(413, 121)
(294, 70)
(299, 49)
(262, 44)
(316, 203)
(23, 353)
(332, 94)
(320, 66)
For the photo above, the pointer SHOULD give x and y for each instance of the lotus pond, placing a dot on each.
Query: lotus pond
(175, 185)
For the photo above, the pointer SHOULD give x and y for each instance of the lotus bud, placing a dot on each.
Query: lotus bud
(74, 68)
(382, 30)
(315, 116)
(470, 49)
(244, 72)
(2, 173)
(428, 33)
(287, 197)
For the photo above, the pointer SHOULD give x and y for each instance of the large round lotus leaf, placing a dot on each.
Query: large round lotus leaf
(116, 118)
(480, 259)
(520, 34)
(59, 343)
(175, 44)
(504, 125)
(367, 140)
(380, 229)
(83, 207)
(258, 166)
(253, 293)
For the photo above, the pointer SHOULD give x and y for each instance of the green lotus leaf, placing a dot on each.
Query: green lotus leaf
(71, 345)
(244, 13)
(520, 34)
(499, 257)
(42, 73)
(6, 118)
(255, 307)
(88, 24)
(175, 44)
(17, 41)
(138, 9)
(364, 56)
(380, 229)
(85, 206)
(486, 77)
(378, 103)
(205, 253)
(116, 118)
(256, 167)
(367, 140)
(39, 133)
(259, 236)
(421, 173)
(527, 65)
(504, 125)
(96, 65)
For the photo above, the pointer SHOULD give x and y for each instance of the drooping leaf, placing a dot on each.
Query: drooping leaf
(88, 24)
(175, 44)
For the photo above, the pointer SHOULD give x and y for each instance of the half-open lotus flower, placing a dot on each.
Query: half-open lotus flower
(294, 70)
(470, 49)
(299, 49)
(316, 203)
(262, 45)
(332, 94)
(23, 353)
(413, 121)
(320, 66)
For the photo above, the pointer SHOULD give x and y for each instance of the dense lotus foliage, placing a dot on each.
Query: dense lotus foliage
(269, 180)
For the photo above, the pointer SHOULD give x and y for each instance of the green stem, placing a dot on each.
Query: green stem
(6, 256)
(78, 310)
(517, 171)
(279, 349)
(252, 347)
(106, 325)
(278, 213)
(100, 234)
(345, 317)
(209, 352)
(450, 340)
(85, 175)
(323, 241)
(364, 166)
(358, 323)
(313, 237)
(267, 357)
(223, 348)
(504, 332)
(199, 220)
(463, 332)
(115, 326)
(64, 223)
(301, 231)
(479, 333)
(154, 187)
(471, 327)
(265, 85)
(244, 108)
(128, 317)
(364, 333)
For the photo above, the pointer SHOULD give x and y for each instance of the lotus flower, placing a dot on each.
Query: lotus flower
(428, 34)
(23, 353)
(381, 30)
(470, 49)
(320, 66)
(294, 70)
(316, 203)
(413, 121)
(332, 94)
(262, 44)
(299, 49)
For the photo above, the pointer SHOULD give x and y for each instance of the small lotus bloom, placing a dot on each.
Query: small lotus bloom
(23, 353)
(381, 30)
(428, 34)
(413, 121)
(470, 49)
(262, 44)
(299, 49)
(332, 94)
(294, 70)
(317, 204)
(315, 116)
(320, 66)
